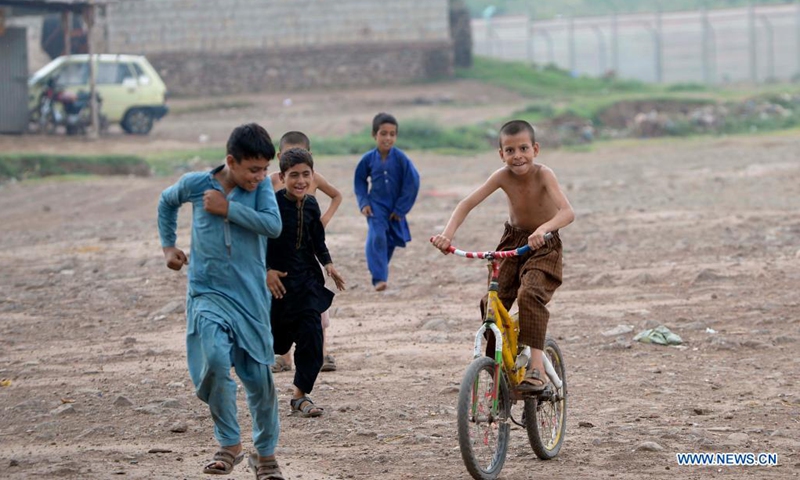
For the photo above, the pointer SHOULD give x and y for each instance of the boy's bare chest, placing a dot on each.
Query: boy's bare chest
(527, 192)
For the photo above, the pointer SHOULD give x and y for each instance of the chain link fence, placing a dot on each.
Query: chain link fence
(757, 44)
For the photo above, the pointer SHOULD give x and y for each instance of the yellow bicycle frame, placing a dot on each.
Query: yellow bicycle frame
(506, 332)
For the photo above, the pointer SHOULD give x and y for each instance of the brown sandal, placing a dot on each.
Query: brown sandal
(328, 364)
(265, 469)
(227, 459)
(304, 407)
(533, 382)
(281, 365)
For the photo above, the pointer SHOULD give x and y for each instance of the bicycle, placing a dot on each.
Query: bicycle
(488, 389)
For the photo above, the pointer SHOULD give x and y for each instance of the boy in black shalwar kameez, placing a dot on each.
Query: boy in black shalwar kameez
(295, 280)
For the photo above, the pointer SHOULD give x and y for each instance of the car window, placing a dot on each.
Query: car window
(74, 74)
(138, 69)
(113, 73)
(144, 78)
(124, 72)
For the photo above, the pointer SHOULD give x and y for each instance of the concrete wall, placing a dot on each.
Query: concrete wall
(228, 46)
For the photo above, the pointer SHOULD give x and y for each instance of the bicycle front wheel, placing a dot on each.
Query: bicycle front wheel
(546, 414)
(483, 428)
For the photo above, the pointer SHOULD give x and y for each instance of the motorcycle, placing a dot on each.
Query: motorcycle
(58, 107)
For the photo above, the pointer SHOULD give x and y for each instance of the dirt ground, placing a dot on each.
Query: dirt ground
(698, 235)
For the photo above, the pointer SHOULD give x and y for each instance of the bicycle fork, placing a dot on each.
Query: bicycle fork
(498, 360)
(498, 357)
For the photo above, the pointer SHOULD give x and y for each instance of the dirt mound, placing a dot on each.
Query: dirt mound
(622, 114)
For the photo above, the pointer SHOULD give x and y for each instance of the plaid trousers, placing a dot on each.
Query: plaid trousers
(531, 280)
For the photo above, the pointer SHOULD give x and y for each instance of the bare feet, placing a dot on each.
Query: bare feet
(380, 286)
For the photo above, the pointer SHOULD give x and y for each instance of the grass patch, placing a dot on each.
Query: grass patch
(23, 166)
(170, 162)
(414, 134)
(545, 82)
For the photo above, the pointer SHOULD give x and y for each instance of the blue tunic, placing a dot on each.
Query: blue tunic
(227, 270)
(394, 184)
(394, 188)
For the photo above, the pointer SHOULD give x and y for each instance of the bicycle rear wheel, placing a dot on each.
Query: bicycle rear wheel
(483, 429)
(546, 414)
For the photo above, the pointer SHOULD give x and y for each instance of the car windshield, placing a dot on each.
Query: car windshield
(45, 71)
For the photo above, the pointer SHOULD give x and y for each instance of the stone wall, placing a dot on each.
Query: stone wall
(229, 46)
(302, 67)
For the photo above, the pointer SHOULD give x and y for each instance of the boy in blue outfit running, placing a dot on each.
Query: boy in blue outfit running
(227, 305)
(394, 184)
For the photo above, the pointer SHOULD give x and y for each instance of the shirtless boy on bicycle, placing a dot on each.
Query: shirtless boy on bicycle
(536, 206)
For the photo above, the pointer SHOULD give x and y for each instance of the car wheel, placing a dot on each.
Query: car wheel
(137, 122)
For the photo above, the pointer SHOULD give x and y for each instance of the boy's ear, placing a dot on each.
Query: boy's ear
(535, 149)
(281, 176)
(230, 160)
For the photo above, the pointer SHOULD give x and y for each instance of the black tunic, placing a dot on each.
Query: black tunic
(298, 251)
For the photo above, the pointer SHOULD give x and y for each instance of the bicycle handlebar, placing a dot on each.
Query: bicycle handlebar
(497, 254)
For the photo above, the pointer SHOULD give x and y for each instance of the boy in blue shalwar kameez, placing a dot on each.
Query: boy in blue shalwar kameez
(227, 306)
(393, 190)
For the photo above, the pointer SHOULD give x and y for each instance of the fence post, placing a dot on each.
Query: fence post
(797, 31)
(601, 49)
(658, 45)
(615, 42)
(571, 39)
(529, 40)
(751, 29)
(551, 51)
(770, 48)
(705, 25)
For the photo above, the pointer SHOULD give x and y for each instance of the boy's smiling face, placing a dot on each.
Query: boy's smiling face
(298, 179)
(248, 173)
(518, 152)
(385, 137)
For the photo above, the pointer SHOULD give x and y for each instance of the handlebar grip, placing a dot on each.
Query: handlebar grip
(519, 251)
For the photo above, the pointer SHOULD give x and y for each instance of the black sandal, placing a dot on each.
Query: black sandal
(304, 407)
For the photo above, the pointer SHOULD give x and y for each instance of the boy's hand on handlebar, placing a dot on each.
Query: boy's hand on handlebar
(442, 243)
(536, 239)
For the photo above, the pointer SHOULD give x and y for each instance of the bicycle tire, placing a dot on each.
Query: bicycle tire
(496, 429)
(546, 417)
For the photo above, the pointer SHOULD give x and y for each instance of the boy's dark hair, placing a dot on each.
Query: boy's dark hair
(294, 138)
(382, 118)
(295, 156)
(514, 127)
(250, 141)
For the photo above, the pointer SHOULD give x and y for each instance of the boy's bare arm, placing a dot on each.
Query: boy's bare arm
(275, 178)
(442, 241)
(563, 217)
(333, 193)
